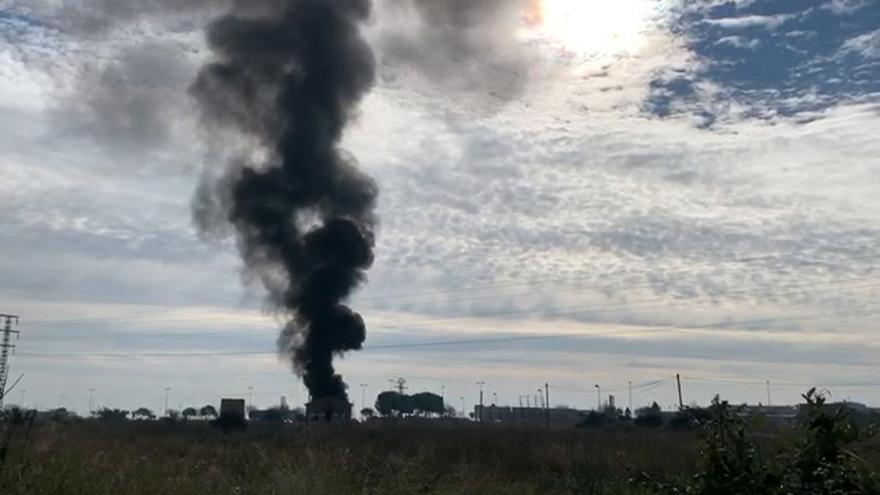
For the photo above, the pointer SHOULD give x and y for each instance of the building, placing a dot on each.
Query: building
(232, 409)
(329, 410)
(558, 416)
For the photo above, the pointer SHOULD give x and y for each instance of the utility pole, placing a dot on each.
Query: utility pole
(630, 397)
(5, 347)
(769, 403)
(400, 383)
(480, 384)
(680, 401)
(91, 396)
(547, 396)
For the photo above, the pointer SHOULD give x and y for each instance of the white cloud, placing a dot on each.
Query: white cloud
(749, 21)
(866, 45)
(739, 42)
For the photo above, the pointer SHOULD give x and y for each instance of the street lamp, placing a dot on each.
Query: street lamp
(167, 389)
(463, 413)
(480, 384)
(598, 397)
(494, 398)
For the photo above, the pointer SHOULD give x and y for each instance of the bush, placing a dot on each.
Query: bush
(818, 461)
(821, 460)
(650, 417)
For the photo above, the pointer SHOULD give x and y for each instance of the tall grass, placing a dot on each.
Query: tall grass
(823, 452)
(152, 458)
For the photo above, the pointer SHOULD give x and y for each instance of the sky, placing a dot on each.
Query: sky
(576, 193)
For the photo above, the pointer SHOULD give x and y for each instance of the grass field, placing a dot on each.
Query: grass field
(823, 453)
(152, 458)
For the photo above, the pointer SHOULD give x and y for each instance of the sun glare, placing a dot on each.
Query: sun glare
(594, 27)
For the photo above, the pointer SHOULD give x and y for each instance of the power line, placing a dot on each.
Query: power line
(738, 381)
(641, 387)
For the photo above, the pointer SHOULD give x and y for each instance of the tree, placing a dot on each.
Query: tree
(428, 403)
(107, 414)
(61, 414)
(189, 412)
(142, 413)
(208, 411)
(394, 404)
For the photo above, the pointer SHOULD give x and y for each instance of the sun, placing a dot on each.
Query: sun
(593, 27)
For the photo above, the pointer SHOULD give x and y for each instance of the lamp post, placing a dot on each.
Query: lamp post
(167, 389)
(598, 397)
(480, 384)
(463, 413)
(494, 398)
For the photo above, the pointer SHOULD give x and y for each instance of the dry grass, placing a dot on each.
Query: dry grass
(154, 458)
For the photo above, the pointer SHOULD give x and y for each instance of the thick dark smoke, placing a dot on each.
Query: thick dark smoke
(288, 74)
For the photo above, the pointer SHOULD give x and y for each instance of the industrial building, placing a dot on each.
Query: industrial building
(329, 409)
(527, 415)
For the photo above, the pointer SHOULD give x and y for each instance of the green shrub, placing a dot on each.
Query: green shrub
(818, 460)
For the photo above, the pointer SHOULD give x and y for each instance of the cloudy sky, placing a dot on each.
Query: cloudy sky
(576, 192)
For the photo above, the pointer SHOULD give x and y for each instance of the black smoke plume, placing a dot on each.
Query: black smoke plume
(288, 75)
